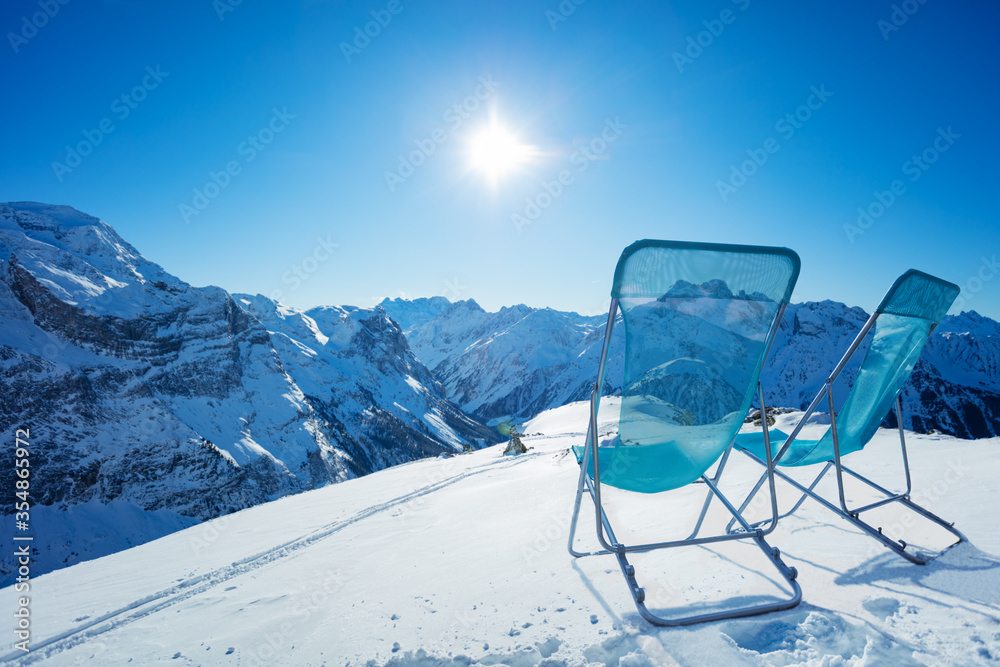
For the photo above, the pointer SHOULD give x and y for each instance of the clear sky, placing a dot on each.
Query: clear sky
(275, 147)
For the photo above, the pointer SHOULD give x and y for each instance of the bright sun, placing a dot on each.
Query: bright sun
(495, 151)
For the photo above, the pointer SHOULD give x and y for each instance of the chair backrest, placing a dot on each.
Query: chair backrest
(910, 310)
(697, 320)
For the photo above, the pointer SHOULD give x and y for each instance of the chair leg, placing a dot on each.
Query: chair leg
(581, 485)
(790, 574)
(576, 516)
(709, 495)
(812, 486)
(747, 501)
(753, 493)
(853, 516)
(904, 499)
(638, 593)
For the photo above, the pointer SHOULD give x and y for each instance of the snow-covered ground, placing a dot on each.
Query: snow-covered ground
(462, 561)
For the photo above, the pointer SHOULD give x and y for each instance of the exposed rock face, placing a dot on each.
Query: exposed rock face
(138, 388)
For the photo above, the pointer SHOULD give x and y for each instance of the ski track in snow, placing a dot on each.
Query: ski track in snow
(151, 604)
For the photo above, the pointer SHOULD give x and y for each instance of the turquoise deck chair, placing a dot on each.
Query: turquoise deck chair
(699, 319)
(901, 325)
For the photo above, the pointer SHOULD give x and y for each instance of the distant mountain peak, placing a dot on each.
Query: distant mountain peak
(711, 289)
(969, 321)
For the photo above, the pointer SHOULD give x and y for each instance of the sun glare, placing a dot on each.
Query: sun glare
(495, 152)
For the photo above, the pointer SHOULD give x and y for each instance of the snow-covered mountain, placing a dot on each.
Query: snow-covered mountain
(520, 361)
(516, 362)
(954, 388)
(151, 399)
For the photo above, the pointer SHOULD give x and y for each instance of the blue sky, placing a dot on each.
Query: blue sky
(739, 122)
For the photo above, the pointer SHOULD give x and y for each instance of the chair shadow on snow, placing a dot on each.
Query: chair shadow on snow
(668, 597)
(806, 632)
(963, 571)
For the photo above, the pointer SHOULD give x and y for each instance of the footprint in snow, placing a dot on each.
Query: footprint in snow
(883, 608)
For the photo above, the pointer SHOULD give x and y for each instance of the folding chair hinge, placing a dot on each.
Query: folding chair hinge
(790, 572)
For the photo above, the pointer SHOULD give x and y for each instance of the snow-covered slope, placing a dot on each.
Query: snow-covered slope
(462, 562)
(142, 390)
(520, 361)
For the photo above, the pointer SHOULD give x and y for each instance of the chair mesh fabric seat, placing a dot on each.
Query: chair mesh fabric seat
(913, 306)
(697, 318)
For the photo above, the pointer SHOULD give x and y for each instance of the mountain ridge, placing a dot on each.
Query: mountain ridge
(144, 390)
(490, 363)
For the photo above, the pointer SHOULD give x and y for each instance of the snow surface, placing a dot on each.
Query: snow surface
(462, 561)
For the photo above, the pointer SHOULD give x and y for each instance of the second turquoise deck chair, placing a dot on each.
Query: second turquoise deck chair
(699, 319)
(901, 324)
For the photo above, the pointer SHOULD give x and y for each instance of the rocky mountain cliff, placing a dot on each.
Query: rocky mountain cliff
(178, 404)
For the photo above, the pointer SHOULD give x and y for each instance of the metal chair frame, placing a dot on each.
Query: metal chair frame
(610, 544)
(850, 514)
